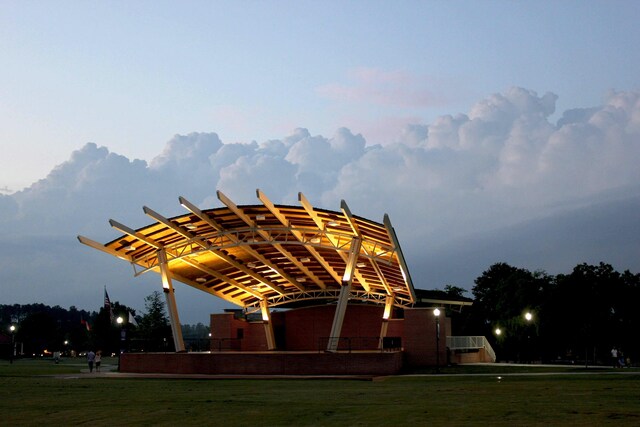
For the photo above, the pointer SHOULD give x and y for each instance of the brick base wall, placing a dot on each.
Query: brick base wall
(255, 363)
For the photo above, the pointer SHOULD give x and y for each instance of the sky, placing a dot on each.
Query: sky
(488, 130)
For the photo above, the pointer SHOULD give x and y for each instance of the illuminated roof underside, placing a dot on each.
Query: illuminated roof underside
(279, 254)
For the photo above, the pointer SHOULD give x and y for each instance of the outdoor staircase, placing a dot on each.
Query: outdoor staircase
(470, 350)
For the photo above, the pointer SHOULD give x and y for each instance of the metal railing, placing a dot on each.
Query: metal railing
(471, 343)
(350, 344)
(225, 344)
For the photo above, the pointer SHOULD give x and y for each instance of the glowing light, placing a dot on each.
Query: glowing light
(436, 312)
(498, 331)
(201, 280)
(528, 316)
(260, 217)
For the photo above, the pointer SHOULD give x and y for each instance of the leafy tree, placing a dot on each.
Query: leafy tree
(154, 328)
(591, 311)
(41, 327)
(503, 294)
(106, 333)
(196, 337)
(454, 291)
(39, 332)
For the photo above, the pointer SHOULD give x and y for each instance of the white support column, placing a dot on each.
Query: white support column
(268, 325)
(169, 295)
(343, 299)
(388, 306)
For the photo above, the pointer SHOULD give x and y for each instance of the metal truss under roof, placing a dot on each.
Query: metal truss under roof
(269, 254)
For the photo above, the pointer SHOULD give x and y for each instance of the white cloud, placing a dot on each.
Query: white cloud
(501, 164)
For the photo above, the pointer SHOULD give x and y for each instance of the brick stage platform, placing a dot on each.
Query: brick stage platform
(264, 363)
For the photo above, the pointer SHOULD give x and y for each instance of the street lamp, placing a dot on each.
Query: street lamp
(436, 313)
(528, 317)
(120, 322)
(12, 329)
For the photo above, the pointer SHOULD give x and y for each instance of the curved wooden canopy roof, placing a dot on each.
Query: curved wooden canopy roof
(272, 253)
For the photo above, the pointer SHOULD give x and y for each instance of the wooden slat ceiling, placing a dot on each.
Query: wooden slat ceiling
(281, 254)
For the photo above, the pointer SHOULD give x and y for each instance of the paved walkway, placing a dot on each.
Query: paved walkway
(110, 371)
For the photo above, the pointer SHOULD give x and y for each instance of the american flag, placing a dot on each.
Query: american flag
(107, 304)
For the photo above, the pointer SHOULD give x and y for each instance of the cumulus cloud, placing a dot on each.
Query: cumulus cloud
(501, 164)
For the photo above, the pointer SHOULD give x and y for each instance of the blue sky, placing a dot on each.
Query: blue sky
(130, 75)
(489, 131)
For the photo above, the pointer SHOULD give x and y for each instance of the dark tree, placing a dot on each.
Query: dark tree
(503, 295)
(454, 291)
(154, 329)
(196, 337)
(591, 311)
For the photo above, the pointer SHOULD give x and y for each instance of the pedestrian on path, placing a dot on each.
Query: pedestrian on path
(91, 358)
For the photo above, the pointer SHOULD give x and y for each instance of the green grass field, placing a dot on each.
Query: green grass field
(40, 392)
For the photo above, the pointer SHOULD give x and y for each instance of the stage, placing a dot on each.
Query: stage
(265, 363)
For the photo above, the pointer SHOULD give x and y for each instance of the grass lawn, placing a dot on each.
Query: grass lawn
(30, 395)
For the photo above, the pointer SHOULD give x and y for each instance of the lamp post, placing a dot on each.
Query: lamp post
(120, 322)
(498, 333)
(436, 313)
(528, 317)
(12, 329)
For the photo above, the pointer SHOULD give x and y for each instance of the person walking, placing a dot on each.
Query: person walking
(91, 358)
(98, 359)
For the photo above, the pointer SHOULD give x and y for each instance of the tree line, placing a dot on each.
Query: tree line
(41, 330)
(573, 318)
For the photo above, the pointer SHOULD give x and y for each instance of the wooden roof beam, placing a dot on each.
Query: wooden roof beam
(222, 277)
(404, 270)
(135, 234)
(172, 225)
(197, 212)
(247, 220)
(220, 254)
(99, 246)
(299, 235)
(354, 226)
(236, 301)
(316, 218)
